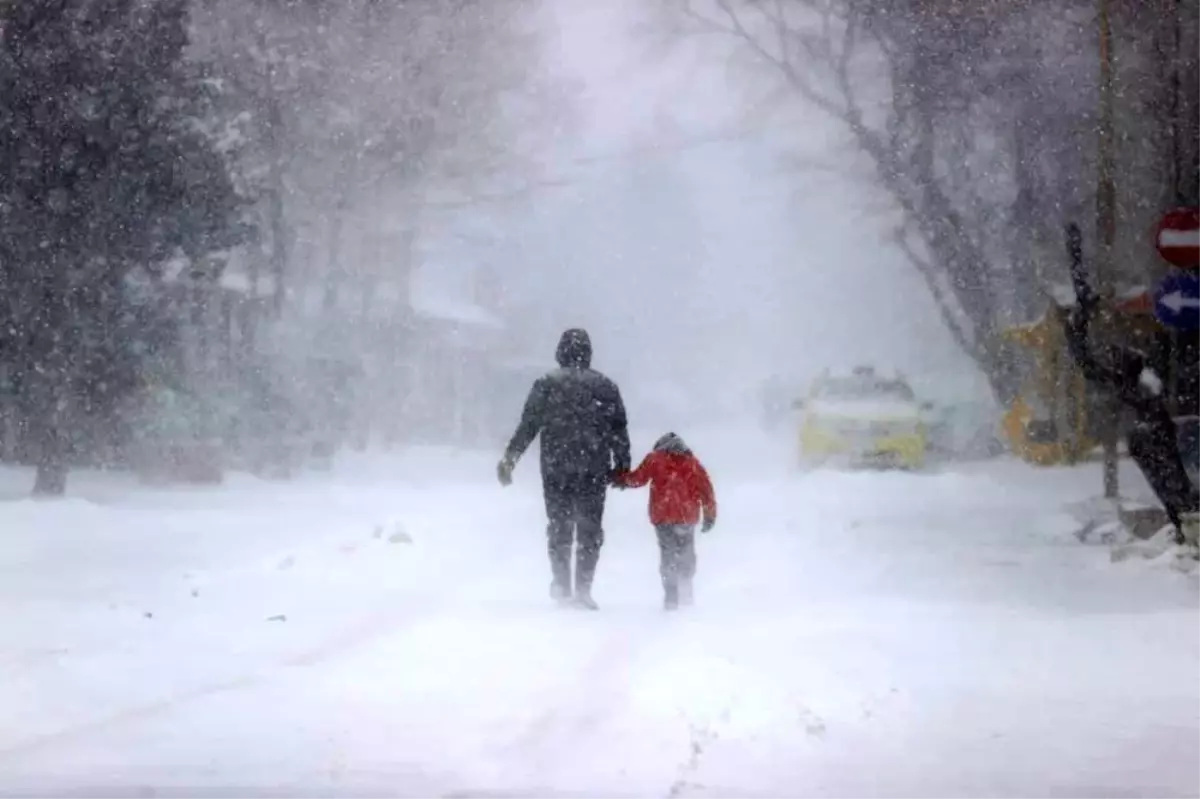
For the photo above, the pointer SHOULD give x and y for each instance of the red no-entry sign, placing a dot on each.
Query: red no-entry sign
(1178, 238)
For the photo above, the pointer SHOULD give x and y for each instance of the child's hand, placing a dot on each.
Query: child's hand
(708, 524)
(616, 478)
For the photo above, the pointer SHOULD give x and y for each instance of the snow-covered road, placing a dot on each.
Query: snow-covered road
(386, 631)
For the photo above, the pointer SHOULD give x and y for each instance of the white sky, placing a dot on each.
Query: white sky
(708, 261)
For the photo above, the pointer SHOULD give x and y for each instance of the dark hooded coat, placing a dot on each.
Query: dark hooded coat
(580, 416)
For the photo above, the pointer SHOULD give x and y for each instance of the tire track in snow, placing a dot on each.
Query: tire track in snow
(282, 562)
(376, 626)
(278, 564)
(602, 708)
(214, 582)
(546, 742)
(596, 711)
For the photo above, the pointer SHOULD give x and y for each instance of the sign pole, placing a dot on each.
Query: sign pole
(1106, 223)
(1176, 104)
(1173, 373)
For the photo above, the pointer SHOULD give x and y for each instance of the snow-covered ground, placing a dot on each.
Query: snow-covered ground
(385, 630)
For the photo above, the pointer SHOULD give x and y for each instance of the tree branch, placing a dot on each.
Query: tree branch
(737, 28)
(930, 275)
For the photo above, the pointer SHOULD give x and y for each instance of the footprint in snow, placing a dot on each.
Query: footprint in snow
(813, 724)
(399, 534)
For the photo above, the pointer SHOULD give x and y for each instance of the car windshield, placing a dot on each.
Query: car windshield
(864, 387)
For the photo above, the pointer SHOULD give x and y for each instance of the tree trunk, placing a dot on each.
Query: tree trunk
(47, 379)
(51, 478)
(50, 387)
(1185, 85)
(334, 278)
(276, 193)
(279, 233)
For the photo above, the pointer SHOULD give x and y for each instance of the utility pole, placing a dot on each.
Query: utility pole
(1106, 224)
(1174, 67)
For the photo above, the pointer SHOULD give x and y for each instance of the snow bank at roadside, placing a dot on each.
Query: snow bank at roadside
(1097, 522)
(1158, 553)
(1074, 511)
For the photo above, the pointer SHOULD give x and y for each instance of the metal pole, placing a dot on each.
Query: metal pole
(1177, 104)
(1174, 364)
(1106, 222)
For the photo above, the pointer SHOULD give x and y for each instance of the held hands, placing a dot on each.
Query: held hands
(616, 478)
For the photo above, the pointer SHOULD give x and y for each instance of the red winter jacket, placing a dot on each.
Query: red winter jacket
(680, 489)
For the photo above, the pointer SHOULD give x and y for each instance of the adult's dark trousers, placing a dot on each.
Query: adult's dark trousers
(1153, 447)
(575, 512)
(677, 554)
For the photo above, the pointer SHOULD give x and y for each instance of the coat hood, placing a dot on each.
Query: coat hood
(574, 349)
(671, 443)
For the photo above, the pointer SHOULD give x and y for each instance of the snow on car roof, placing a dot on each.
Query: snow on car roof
(863, 385)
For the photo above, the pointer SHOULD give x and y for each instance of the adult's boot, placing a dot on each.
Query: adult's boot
(560, 569)
(585, 569)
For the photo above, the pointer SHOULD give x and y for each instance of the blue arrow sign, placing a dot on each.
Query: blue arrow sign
(1177, 301)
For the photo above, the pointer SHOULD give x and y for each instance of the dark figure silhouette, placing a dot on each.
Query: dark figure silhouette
(1153, 438)
(580, 416)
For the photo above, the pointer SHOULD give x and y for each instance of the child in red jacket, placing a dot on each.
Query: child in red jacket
(681, 494)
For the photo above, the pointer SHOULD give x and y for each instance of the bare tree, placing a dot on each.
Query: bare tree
(359, 112)
(355, 101)
(946, 101)
(979, 118)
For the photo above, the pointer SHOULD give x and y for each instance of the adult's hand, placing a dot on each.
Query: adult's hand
(504, 471)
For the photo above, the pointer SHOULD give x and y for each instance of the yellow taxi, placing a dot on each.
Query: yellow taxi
(862, 419)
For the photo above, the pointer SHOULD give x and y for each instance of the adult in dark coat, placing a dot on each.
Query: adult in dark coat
(585, 442)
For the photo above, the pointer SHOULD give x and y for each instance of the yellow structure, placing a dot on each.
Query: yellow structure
(1049, 422)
